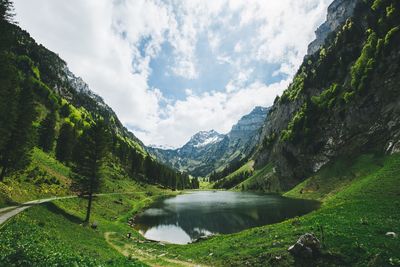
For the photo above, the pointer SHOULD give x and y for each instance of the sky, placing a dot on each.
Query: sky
(170, 68)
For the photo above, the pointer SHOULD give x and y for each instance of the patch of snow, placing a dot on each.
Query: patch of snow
(208, 141)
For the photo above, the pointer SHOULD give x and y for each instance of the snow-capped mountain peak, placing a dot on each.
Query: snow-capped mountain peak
(204, 138)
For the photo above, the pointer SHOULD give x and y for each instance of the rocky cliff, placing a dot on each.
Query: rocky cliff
(207, 151)
(345, 98)
(338, 12)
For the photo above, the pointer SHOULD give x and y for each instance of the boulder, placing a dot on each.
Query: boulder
(391, 234)
(307, 246)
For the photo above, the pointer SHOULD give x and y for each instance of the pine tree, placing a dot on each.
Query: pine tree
(9, 92)
(47, 132)
(65, 143)
(89, 156)
(6, 10)
(15, 155)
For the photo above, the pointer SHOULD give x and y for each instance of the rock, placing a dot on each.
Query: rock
(391, 234)
(307, 246)
(338, 12)
(94, 225)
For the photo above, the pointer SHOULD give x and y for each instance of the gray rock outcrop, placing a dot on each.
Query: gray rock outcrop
(338, 12)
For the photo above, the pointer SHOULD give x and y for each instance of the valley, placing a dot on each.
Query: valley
(78, 188)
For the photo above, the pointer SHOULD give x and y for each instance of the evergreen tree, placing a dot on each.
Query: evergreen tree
(149, 168)
(6, 11)
(9, 93)
(15, 154)
(89, 156)
(47, 132)
(65, 143)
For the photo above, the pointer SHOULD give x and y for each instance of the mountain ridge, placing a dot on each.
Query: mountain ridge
(343, 100)
(210, 150)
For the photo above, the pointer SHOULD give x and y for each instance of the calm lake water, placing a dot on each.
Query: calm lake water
(185, 218)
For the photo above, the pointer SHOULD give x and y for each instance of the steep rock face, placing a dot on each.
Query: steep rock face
(343, 101)
(209, 150)
(248, 124)
(338, 12)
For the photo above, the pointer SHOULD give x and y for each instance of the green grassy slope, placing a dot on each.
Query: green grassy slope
(360, 203)
(354, 221)
(44, 177)
(354, 217)
(236, 177)
(53, 233)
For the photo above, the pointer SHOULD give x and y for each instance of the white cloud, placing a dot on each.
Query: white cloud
(111, 44)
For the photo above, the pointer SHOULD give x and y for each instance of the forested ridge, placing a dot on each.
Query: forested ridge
(42, 104)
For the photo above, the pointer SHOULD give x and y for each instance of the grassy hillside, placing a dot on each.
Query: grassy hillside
(44, 177)
(236, 177)
(351, 223)
(53, 233)
(360, 203)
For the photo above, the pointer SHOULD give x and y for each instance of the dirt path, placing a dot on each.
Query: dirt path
(9, 212)
(149, 258)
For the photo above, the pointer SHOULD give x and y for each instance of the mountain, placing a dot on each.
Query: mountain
(209, 150)
(202, 139)
(338, 12)
(44, 105)
(343, 101)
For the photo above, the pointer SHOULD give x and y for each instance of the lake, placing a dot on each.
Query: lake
(184, 218)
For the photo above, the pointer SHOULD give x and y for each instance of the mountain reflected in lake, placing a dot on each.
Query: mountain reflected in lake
(185, 218)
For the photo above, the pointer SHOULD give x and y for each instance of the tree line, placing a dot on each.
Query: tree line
(234, 165)
(32, 114)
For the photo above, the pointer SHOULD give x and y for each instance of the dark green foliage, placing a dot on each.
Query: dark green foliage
(295, 88)
(6, 10)
(9, 91)
(233, 181)
(362, 68)
(65, 143)
(232, 166)
(47, 132)
(157, 173)
(15, 152)
(297, 127)
(65, 111)
(90, 153)
(327, 98)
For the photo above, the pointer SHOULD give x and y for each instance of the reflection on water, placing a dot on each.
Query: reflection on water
(185, 218)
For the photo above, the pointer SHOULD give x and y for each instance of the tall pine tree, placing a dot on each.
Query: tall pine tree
(15, 154)
(65, 143)
(47, 132)
(89, 156)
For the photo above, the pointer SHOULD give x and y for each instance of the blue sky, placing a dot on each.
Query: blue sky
(172, 68)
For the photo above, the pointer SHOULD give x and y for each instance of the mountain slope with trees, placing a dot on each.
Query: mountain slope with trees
(343, 101)
(44, 105)
(208, 152)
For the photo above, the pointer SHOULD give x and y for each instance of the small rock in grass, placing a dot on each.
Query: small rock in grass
(94, 225)
(391, 234)
(307, 246)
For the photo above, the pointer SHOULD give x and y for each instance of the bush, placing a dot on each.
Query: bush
(327, 98)
(363, 66)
